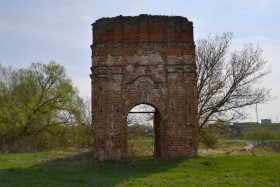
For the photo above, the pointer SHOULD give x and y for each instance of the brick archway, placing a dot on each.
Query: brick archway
(157, 130)
(144, 59)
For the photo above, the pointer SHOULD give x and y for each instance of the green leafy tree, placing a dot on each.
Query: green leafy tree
(35, 104)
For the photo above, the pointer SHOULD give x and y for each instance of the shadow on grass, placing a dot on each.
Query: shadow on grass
(80, 170)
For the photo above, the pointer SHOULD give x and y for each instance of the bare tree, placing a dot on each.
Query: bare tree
(228, 81)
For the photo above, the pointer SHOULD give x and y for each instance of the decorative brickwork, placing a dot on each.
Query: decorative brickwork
(144, 60)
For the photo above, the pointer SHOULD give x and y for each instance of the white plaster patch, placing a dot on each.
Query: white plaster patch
(110, 60)
(118, 76)
(127, 102)
(145, 59)
(172, 75)
(172, 59)
(109, 144)
(94, 60)
(115, 87)
(130, 68)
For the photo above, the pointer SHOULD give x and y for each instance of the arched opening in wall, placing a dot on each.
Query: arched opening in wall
(143, 138)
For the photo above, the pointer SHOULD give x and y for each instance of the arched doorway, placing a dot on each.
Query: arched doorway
(143, 126)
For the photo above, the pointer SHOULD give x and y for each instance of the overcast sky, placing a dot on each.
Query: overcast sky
(60, 30)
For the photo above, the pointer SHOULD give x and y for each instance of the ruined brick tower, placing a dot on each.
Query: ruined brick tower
(144, 60)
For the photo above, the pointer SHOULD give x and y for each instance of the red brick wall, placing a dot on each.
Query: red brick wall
(144, 60)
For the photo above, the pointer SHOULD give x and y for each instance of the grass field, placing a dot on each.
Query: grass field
(72, 169)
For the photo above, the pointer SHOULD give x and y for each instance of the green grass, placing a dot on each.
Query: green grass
(72, 169)
(140, 147)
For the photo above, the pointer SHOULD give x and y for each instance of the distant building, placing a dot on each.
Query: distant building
(265, 121)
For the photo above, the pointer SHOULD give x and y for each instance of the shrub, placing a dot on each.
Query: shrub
(264, 137)
(210, 137)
